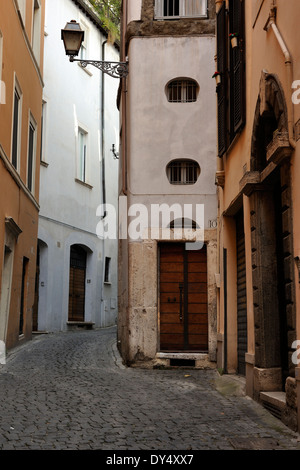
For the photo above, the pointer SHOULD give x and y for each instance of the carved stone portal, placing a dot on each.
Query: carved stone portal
(268, 186)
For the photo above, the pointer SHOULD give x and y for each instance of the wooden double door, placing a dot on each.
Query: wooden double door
(183, 298)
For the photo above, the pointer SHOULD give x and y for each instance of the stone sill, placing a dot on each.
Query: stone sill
(84, 324)
(275, 398)
(83, 183)
(182, 355)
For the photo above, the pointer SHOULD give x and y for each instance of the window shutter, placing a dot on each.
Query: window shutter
(200, 7)
(194, 7)
(222, 87)
(237, 69)
(158, 11)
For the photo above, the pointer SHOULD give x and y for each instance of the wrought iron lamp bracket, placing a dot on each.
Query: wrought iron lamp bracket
(114, 69)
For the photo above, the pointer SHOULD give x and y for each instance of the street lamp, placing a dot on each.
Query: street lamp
(73, 36)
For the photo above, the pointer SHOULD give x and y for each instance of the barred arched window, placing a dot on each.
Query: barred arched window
(183, 171)
(182, 90)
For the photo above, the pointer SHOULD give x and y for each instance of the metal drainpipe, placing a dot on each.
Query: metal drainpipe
(289, 68)
(102, 132)
(124, 105)
(102, 320)
(220, 169)
(220, 166)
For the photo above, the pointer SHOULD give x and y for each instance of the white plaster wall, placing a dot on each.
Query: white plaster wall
(68, 208)
(54, 281)
(73, 97)
(111, 127)
(160, 131)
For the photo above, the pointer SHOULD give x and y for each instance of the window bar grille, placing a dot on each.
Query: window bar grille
(183, 172)
(84, 162)
(181, 8)
(183, 91)
(171, 7)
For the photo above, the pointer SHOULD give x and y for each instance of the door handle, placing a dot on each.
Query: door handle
(181, 300)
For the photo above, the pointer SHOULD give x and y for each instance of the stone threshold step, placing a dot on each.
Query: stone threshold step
(274, 402)
(182, 355)
(83, 324)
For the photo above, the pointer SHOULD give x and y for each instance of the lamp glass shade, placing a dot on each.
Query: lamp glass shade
(72, 36)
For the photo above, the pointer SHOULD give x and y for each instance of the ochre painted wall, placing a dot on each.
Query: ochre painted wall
(17, 202)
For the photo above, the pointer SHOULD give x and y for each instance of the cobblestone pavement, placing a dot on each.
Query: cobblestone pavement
(70, 391)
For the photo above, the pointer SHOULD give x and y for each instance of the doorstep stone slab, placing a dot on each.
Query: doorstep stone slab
(277, 399)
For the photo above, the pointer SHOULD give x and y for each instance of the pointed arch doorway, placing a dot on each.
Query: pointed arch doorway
(272, 237)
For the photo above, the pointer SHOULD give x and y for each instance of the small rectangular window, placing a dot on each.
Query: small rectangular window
(16, 131)
(31, 155)
(22, 9)
(180, 9)
(82, 155)
(43, 132)
(107, 270)
(83, 53)
(36, 29)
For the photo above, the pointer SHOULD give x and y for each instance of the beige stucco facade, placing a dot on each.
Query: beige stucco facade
(21, 45)
(258, 173)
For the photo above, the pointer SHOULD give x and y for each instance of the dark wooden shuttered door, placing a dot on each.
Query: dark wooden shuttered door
(183, 299)
(237, 69)
(77, 284)
(241, 294)
(222, 87)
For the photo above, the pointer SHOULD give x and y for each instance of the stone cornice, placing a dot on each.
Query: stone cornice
(149, 27)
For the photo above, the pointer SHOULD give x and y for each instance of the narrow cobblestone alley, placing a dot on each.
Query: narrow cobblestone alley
(70, 391)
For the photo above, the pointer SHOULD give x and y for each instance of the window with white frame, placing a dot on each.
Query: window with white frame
(36, 29)
(16, 128)
(82, 51)
(83, 54)
(107, 270)
(22, 9)
(183, 171)
(182, 91)
(31, 156)
(180, 9)
(82, 154)
(43, 131)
